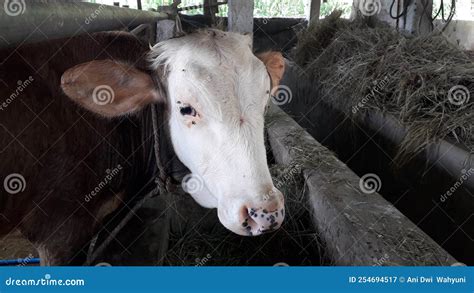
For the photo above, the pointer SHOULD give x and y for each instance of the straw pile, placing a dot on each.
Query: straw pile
(295, 243)
(426, 82)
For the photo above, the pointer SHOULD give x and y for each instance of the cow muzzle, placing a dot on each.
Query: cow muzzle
(256, 217)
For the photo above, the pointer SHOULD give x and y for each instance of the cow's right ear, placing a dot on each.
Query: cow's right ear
(109, 88)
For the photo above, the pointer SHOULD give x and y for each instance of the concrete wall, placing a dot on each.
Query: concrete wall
(414, 21)
(460, 32)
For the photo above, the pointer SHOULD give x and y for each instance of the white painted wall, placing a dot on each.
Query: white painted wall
(460, 32)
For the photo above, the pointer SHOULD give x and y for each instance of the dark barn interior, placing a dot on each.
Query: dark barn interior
(362, 96)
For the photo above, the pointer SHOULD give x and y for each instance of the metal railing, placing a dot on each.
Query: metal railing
(192, 7)
(32, 21)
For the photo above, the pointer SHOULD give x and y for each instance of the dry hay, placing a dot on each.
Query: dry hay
(295, 243)
(362, 67)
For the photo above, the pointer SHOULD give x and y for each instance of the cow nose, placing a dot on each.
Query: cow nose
(265, 216)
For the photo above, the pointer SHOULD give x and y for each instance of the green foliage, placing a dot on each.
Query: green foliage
(332, 5)
(287, 8)
(263, 8)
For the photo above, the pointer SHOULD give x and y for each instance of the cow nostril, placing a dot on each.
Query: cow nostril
(249, 224)
(261, 220)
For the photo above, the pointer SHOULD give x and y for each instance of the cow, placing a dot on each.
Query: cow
(77, 142)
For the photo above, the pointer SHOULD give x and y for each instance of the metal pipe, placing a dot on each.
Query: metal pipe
(140, 29)
(34, 21)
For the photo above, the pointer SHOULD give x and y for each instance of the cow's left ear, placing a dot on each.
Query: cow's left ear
(109, 88)
(275, 64)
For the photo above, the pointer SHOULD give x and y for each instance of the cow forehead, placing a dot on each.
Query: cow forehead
(223, 74)
(209, 48)
(231, 85)
(219, 70)
(225, 79)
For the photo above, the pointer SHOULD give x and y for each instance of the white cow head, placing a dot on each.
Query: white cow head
(217, 91)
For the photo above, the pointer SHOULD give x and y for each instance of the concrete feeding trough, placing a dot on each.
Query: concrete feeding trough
(357, 228)
(433, 187)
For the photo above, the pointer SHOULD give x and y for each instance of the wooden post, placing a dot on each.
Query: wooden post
(315, 9)
(210, 10)
(416, 18)
(166, 29)
(241, 16)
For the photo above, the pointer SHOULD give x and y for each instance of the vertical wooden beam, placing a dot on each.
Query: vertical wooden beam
(241, 16)
(315, 9)
(416, 18)
(165, 30)
(210, 10)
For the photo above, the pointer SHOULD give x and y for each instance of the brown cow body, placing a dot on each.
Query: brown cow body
(77, 166)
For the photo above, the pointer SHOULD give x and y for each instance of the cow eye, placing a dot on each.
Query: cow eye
(187, 110)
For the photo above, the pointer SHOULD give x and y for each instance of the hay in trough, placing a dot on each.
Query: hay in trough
(295, 243)
(426, 82)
